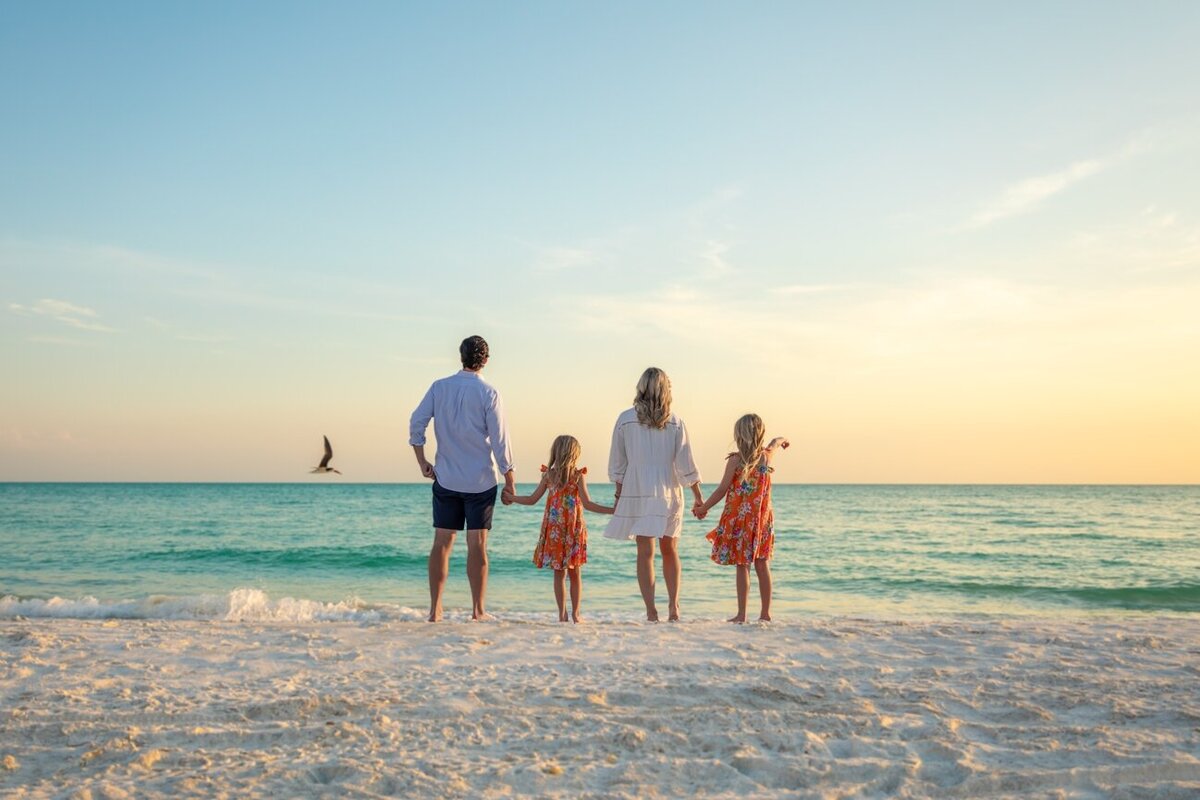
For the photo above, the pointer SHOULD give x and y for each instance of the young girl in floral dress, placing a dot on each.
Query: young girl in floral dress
(562, 545)
(745, 534)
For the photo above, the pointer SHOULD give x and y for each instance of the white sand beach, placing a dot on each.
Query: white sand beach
(824, 707)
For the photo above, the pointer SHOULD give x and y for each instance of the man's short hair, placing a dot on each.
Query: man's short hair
(474, 352)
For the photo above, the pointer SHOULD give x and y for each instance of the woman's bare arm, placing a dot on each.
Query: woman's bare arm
(701, 508)
(586, 499)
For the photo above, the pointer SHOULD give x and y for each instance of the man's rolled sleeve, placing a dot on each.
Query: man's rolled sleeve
(419, 420)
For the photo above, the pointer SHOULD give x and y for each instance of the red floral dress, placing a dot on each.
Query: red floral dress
(746, 530)
(563, 542)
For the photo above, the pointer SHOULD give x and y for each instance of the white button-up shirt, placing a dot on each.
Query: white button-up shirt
(468, 422)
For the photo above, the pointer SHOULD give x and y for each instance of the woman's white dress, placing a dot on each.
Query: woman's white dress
(652, 465)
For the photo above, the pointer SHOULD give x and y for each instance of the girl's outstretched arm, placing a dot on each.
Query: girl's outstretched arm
(586, 499)
(530, 499)
(731, 465)
(779, 442)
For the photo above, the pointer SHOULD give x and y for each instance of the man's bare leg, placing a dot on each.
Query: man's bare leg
(645, 574)
(477, 571)
(439, 566)
(671, 572)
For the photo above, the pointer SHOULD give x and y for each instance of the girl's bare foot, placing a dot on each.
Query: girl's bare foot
(577, 619)
(673, 615)
(738, 618)
(435, 615)
(562, 618)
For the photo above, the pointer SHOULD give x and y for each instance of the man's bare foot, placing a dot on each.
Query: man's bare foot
(738, 618)
(764, 617)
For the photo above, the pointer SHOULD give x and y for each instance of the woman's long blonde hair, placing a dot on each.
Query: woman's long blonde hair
(748, 434)
(653, 399)
(564, 455)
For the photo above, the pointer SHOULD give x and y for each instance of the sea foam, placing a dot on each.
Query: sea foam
(239, 605)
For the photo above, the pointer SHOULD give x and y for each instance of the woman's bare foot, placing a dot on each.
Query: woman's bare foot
(435, 614)
(738, 618)
(673, 614)
(652, 615)
(563, 618)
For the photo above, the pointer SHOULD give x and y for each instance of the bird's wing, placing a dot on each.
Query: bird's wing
(328, 454)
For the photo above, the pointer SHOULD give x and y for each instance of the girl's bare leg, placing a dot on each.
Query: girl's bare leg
(560, 576)
(645, 574)
(671, 572)
(576, 577)
(763, 567)
(743, 591)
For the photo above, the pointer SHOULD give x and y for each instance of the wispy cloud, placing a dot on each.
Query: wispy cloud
(59, 340)
(20, 437)
(1027, 194)
(67, 313)
(311, 294)
(700, 213)
(555, 259)
(815, 288)
(1158, 243)
(958, 318)
(712, 255)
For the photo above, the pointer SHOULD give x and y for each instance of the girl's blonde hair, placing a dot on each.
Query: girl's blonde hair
(748, 434)
(653, 399)
(564, 454)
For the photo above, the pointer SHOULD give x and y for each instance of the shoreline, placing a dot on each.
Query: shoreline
(813, 707)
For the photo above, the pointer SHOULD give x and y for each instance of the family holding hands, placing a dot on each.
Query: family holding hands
(650, 463)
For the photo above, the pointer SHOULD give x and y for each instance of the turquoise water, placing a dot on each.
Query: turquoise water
(229, 550)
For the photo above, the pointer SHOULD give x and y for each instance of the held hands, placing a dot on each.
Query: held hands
(509, 494)
(427, 470)
(699, 511)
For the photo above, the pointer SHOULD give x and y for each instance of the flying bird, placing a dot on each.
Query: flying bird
(324, 467)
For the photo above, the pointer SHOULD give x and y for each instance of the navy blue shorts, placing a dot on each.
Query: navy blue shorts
(457, 510)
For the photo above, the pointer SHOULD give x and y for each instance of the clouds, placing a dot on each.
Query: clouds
(1027, 194)
(551, 258)
(67, 313)
(1023, 196)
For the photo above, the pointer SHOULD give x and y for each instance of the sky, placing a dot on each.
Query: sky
(927, 242)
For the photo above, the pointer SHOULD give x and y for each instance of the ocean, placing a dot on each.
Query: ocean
(347, 551)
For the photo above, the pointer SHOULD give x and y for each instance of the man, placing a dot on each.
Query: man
(468, 421)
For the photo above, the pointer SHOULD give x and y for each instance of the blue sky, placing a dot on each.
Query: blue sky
(225, 228)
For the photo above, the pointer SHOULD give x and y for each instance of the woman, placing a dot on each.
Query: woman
(650, 463)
